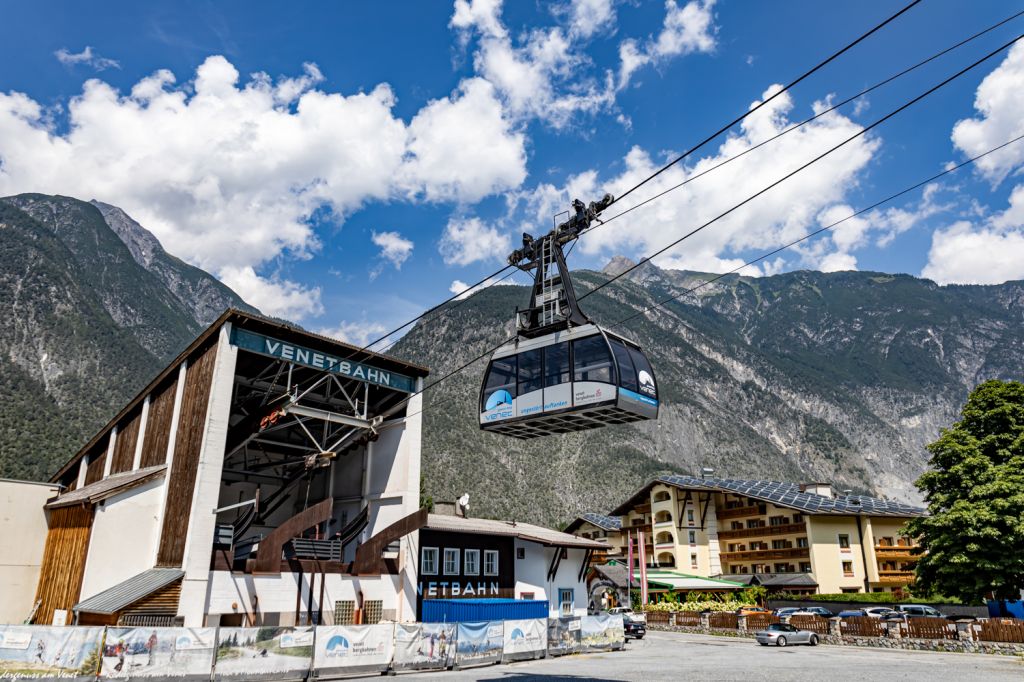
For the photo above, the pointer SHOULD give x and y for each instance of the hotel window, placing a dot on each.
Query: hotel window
(778, 520)
(471, 562)
(693, 537)
(451, 561)
(805, 566)
(779, 544)
(565, 601)
(693, 561)
(428, 561)
(781, 568)
(689, 516)
(848, 569)
(798, 518)
(737, 525)
(844, 541)
(490, 562)
(801, 542)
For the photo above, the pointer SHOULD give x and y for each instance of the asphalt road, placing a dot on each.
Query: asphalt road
(673, 656)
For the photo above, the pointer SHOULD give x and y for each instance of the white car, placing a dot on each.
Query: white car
(628, 614)
(879, 611)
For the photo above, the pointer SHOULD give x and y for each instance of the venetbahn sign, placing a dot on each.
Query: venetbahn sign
(275, 348)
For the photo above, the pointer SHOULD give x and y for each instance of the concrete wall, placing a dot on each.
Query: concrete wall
(23, 529)
(532, 576)
(233, 593)
(124, 537)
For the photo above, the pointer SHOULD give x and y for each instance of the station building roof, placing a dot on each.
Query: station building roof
(522, 531)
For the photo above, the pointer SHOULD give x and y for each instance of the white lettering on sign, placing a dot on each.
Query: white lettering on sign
(454, 589)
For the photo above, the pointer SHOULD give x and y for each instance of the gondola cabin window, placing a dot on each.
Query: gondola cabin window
(530, 376)
(627, 373)
(556, 364)
(591, 359)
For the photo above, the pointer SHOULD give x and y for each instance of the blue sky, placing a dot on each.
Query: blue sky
(384, 152)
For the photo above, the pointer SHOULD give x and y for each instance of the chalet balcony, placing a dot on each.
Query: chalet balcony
(763, 531)
(895, 577)
(767, 554)
(895, 553)
(739, 512)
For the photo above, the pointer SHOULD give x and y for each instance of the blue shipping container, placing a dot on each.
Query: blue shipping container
(470, 610)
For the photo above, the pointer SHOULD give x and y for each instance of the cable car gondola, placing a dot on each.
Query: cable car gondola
(562, 372)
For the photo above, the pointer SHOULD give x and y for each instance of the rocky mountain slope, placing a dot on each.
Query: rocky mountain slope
(92, 310)
(839, 377)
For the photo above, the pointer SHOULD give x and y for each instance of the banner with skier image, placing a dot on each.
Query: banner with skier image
(158, 653)
(265, 653)
(37, 652)
(601, 632)
(563, 636)
(426, 646)
(479, 643)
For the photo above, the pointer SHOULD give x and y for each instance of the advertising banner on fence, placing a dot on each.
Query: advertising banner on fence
(525, 638)
(563, 636)
(600, 633)
(426, 646)
(267, 653)
(479, 643)
(158, 653)
(35, 652)
(353, 648)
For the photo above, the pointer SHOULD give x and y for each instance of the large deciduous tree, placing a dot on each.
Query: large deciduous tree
(974, 534)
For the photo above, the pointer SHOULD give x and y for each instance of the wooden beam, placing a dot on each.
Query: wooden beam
(268, 557)
(368, 555)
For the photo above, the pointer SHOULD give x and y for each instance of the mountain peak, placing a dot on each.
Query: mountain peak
(617, 265)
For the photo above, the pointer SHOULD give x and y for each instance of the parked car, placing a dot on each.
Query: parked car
(919, 611)
(815, 611)
(628, 614)
(783, 634)
(878, 611)
(635, 629)
(788, 611)
(752, 611)
(852, 613)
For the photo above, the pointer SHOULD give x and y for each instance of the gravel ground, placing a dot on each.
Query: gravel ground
(675, 656)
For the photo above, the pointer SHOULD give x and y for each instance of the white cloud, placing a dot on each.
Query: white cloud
(965, 254)
(999, 101)
(685, 30)
(779, 216)
(227, 174)
(86, 57)
(355, 333)
(468, 240)
(276, 297)
(394, 248)
(463, 291)
(1013, 216)
(587, 17)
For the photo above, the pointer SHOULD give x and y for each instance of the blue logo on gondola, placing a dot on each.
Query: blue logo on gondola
(499, 398)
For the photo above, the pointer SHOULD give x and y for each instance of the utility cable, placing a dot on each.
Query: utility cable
(785, 88)
(860, 133)
(806, 121)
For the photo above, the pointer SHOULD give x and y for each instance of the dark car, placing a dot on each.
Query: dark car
(852, 613)
(635, 629)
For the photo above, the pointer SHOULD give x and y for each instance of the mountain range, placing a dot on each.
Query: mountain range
(840, 377)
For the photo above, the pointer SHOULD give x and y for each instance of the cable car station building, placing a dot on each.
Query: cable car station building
(248, 483)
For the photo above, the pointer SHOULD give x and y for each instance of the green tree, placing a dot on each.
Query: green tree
(974, 533)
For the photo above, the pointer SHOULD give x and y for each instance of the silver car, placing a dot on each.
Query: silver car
(783, 634)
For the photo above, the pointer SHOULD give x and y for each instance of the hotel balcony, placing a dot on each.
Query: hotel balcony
(763, 531)
(738, 512)
(895, 553)
(895, 577)
(767, 554)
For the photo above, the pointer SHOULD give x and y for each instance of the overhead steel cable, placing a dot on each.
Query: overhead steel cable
(760, 258)
(785, 88)
(805, 75)
(776, 183)
(805, 121)
(815, 233)
(862, 132)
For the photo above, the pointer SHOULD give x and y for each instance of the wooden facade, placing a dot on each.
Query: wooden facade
(439, 585)
(158, 425)
(124, 444)
(185, 463)
(63, 565)
(94, 470)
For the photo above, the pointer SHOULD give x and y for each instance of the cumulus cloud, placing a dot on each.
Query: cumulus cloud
(999, 101)
(86, 57)
(779, 216)
(588, 17)
(355, 333)
(966, 254)
(227, 173)
(468, 240)
(685, 30)
(394, 248)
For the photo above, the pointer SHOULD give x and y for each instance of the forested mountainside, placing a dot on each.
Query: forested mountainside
(92, 311)
(840, 377)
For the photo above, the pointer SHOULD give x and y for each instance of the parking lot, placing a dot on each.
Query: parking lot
(673, 656)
